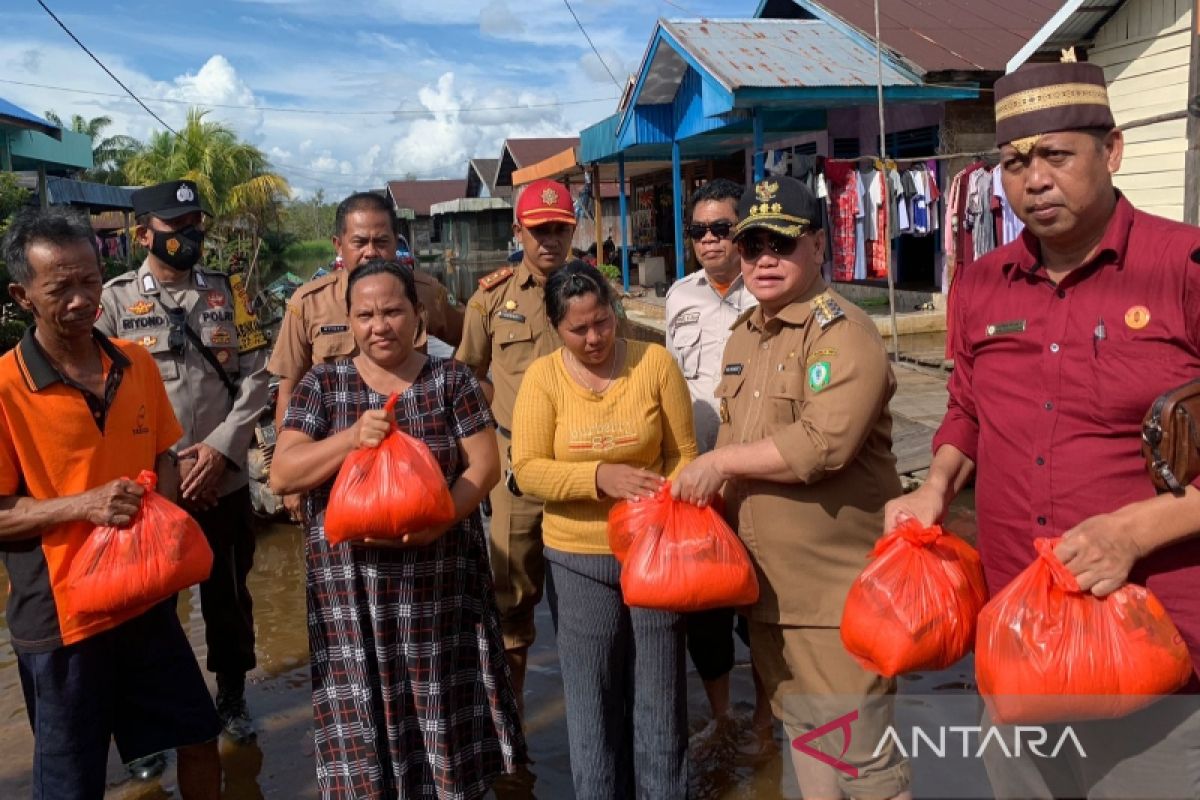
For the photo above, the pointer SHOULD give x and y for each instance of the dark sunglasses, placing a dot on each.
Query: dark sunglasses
(751, 247)
(698, 230)
(176, 338)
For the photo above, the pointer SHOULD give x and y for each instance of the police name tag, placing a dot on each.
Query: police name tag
(326, 329)
(1011, 326)
(512, 316)
(733, 369)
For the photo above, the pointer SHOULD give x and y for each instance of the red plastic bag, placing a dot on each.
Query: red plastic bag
(628, 519)
(387, 491)
(685, 559)
(915, 605)
(161, 552)
(1049, 652)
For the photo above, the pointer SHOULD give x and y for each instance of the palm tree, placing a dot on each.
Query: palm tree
(109, 153)
(234, 177)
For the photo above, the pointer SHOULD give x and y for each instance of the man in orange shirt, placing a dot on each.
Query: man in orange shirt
(130, 676)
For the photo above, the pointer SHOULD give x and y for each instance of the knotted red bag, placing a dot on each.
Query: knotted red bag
(387, 491)
(628, 519)
(1048, 651)
(685, 559)
(160, 552)
(915, 605)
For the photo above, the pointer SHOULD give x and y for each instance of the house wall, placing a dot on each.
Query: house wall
(1144, 50)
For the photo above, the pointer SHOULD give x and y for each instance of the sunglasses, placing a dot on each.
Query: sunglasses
(698, 230)
(751, 247)
(176, 338)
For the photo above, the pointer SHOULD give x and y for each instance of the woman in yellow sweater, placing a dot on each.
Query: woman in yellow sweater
(599, 420)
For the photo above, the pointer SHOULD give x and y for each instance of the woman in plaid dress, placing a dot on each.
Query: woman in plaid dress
(411, 695)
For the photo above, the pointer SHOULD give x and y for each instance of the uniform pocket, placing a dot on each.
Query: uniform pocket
(515, 340)
(332, 346)
(686, 342)
(785, 393)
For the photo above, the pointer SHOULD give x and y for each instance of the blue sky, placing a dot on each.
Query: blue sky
(420, 86)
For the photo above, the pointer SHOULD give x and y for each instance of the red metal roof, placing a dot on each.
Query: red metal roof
(420, 195)
(938, 35)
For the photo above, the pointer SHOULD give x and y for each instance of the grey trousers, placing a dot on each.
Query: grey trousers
(624, 680)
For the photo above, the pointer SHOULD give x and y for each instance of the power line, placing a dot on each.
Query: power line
(311, 111)
(106, 69)
(583, 30)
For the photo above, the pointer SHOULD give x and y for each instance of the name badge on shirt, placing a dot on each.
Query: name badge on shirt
(690, 318)
(334, 328)
(733, 369)
(512, 316)
(1012, 326)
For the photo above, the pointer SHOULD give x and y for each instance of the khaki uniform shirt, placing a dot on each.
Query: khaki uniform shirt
(316, 327)
(134, 306)
(506, 329)
(816, 380)
(698, 326)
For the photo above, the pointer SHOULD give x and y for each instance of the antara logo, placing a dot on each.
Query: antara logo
(842, 723)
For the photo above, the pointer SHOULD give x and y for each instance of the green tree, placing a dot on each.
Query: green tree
(109, 153)
(234, 178)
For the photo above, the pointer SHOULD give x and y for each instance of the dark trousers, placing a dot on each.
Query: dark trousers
(710, 640)
(225, 599)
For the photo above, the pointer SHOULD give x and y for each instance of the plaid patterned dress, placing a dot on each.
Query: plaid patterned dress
(411, 695)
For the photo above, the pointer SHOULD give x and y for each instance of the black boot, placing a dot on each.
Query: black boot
(147, 768)
(231, 708)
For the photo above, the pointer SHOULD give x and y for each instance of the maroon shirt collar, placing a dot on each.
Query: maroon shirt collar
(1027, 258)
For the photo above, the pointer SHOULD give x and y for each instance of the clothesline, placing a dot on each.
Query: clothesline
(906, 159)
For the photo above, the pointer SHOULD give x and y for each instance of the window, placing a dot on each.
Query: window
(846, 147)
(806, 149)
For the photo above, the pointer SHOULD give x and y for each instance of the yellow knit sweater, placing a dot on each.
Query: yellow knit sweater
(563, 432)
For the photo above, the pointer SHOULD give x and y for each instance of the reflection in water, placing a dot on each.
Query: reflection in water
(278, 692)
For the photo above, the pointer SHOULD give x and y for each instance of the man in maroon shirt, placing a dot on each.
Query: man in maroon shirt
(1063, 339)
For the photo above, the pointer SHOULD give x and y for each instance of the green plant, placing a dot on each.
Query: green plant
(609, 271)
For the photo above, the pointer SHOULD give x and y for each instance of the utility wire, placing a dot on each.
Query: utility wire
(106, 69)
(583, 30)
(312, 111)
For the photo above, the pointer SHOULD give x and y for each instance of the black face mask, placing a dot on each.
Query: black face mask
(179, 250)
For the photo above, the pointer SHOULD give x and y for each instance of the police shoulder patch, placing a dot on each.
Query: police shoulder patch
(494, 279)
(124, 277)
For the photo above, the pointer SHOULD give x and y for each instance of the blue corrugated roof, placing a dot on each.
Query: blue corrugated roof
(786, 54)
(94, 196)
(16, 117)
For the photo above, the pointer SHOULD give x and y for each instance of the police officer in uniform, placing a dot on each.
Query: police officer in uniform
(316, 330)
(215, 372)
(505, 330)
(804, 447)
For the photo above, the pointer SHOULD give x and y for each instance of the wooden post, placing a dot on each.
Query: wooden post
(598, 205)
(1191, 168)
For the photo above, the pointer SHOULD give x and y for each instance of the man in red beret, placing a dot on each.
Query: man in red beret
(505, 330)
(1064, 338)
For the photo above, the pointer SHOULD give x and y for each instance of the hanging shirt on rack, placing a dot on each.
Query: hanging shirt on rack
(984, 233)
(1010, 226)
(843, 210)
(860, 225)
(870, 201)
(920, 202)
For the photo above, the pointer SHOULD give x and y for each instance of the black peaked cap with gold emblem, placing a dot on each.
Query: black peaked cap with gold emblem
(1048, 98)
(167, 200)
(781, 205)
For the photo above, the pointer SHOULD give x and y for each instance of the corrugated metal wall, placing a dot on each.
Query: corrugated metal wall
(1144, 50)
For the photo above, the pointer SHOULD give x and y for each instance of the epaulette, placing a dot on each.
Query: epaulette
(826, 310)
(314, 286)
(124, 277)
(494, 279)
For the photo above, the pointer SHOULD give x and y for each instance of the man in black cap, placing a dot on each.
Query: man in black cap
(1064, 338)
(805, 450)
(213, 363)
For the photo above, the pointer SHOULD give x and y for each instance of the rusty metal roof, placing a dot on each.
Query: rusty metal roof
(420, 195)
(778, 54)
(1075, 24)
(945, 35)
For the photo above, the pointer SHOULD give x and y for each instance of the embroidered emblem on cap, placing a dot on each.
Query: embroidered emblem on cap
(766, 191)
(1137, 317)
(184, 193)
(141, 308)
(549, 197)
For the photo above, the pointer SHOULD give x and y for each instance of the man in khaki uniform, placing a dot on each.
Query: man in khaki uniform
(212, 358)
(316, 329)
(804, 448)
(505, 330)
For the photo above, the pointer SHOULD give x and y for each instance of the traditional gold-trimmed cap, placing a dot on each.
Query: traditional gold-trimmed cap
(1045, 98)
(783, 205)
